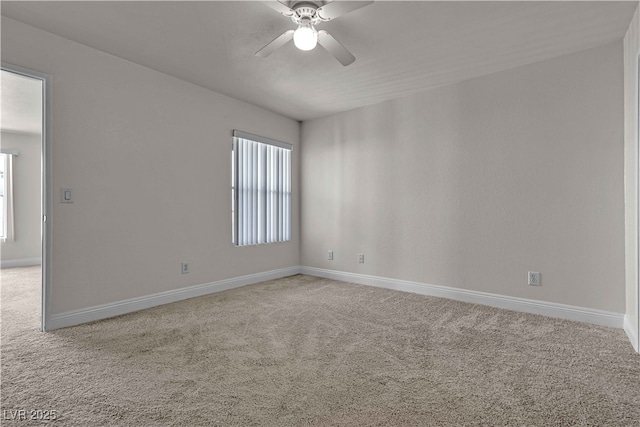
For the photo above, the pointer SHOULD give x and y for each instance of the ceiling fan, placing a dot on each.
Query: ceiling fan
(306, 15)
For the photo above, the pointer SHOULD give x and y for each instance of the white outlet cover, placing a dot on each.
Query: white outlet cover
(533, 278)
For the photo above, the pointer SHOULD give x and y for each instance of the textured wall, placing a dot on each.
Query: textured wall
(148, 157)
(27, 196)
(631, 51)
(472, 185)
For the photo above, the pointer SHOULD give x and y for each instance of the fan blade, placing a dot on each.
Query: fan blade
(275, 44)
(332, 46)
(279, 7)
(338, 8)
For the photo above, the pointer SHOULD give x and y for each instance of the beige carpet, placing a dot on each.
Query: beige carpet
(310, 351)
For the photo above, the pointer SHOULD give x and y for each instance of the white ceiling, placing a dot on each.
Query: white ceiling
(401, 47)
(21, 104)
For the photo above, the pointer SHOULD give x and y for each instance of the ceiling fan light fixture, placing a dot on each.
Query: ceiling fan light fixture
(305, 37)
(306, 14)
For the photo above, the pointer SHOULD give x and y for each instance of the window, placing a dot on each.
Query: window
(6, 196)
(3, 211)
(261, 190)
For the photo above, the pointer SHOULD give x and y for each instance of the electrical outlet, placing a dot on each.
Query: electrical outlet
(330, 255)
(361, 258)
(185, 268)
(533, 278)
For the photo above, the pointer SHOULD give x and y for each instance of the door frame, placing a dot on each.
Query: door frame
(636, 344)
(45, 172)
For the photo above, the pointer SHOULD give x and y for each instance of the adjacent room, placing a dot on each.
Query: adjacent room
(320, 213)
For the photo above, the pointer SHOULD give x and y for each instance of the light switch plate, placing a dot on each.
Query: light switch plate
(66, 196)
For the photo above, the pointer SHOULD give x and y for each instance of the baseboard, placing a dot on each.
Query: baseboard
(105, 311)
(632, 333)
(562, 311)
(24, 262)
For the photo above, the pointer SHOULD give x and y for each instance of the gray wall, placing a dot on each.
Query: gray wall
(474, 184)
(27, 197)
(148, 157)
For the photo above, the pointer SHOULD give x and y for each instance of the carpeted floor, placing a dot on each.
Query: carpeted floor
(316, 352)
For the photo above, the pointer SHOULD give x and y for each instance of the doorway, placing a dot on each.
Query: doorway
(24, 181)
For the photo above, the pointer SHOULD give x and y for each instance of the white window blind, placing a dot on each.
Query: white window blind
(261, 190)
(6, 196)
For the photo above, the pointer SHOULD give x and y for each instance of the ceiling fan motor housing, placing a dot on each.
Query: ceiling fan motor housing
(306, 12)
